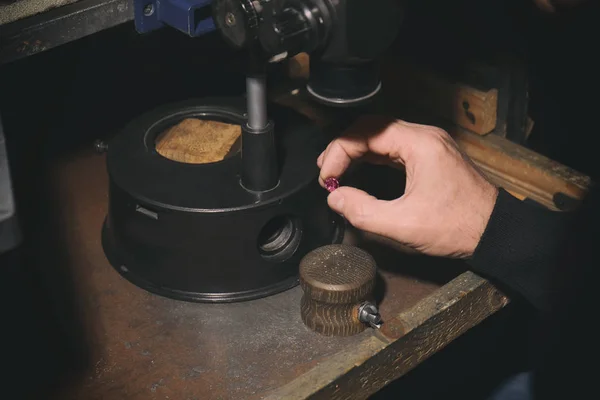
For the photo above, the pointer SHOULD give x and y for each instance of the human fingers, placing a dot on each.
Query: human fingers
(339, 156)
(362, 210)
(358, 133)
(375, 138)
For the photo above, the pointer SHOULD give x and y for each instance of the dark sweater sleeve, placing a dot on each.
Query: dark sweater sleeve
(520, 248)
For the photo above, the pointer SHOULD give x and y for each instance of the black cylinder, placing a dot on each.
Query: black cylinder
(343, 84)
(259, 158)
(192, 232)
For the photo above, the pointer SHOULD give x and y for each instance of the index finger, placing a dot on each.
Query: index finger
(372, 134)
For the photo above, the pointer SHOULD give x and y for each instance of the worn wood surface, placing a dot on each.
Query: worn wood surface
(197, 141)
(521, 170)
(466, 106)
(406, 340)
(428, 327)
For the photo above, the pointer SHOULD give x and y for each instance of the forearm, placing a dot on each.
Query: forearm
(520, 248)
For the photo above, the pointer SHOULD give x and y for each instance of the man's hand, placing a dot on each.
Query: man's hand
(447, 201)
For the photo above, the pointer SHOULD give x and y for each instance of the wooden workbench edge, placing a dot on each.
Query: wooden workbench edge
(405, 341)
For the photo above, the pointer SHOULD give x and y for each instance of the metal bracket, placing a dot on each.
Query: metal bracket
(192, 17)
(10, 235)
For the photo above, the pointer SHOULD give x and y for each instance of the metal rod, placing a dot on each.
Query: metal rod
(10, 234)
(256, 92)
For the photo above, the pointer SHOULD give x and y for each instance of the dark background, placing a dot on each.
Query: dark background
(61, 100)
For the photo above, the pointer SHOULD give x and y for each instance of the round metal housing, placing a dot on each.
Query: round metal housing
(192, 231)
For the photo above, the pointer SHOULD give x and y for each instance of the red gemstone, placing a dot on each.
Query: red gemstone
(331, 184)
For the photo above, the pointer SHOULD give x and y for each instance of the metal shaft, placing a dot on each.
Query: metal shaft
(10, 234)
(259, 156)
(256, 92)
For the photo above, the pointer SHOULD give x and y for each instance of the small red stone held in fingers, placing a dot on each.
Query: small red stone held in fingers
(331, 184)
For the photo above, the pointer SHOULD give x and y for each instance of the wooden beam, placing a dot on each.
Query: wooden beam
(405, 341)
(462, 104)
(521, 170)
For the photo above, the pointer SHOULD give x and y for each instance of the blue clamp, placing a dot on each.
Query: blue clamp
(192, 17)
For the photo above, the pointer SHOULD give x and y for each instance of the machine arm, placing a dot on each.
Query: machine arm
(344, 37)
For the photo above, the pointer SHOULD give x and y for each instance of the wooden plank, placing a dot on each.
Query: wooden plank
(462, 104)
(521, 170)
(405, 341)
(331, 369)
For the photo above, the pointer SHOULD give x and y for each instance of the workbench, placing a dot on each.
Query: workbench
(142, 346)
(28, 27)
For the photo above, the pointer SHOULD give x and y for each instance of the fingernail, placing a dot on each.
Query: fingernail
(336, 201)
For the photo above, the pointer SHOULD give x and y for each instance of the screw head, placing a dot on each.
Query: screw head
(230, 19)
(149, 10)
(100, 146)
(369, 314)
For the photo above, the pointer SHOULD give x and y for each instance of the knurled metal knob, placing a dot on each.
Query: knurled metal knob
(338, 283)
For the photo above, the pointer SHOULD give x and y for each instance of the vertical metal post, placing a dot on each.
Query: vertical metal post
(9, 230)
(256, 92)
(259, 155)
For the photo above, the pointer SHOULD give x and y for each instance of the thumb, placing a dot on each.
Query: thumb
(362, 210)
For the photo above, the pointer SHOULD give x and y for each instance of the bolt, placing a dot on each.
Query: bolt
(374, 320)
(230, 19)
(149, 10)
(369, 314)
(100, 146)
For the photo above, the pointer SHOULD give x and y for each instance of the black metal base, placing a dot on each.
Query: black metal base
(193, 232)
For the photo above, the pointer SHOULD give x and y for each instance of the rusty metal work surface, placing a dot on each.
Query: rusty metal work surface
(11, 10)
(46, 28)
(142, 346)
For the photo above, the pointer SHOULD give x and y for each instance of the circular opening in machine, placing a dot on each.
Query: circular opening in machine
(198, 139)
(279, 239)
